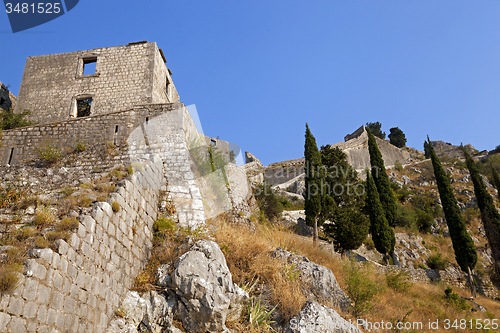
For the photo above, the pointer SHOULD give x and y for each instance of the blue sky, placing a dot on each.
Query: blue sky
(259, 70)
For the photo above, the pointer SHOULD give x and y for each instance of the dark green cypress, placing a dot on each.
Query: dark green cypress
(382, 234)
(350, 226)
(314, 180)
(465, 252)
(382, 181)
(489, 213)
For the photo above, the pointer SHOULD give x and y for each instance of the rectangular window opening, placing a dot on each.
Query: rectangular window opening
(116, 129)
(89, 66)
(83, 107)
(147, 120)
(11, 154)
(166, 86)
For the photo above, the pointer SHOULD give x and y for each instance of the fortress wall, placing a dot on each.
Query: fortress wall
(160, 93)
(281, 174)
(124, 76)
(78, 287)
(139, 133)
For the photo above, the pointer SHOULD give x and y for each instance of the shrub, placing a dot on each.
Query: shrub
(258, 315)
(424, 221)
(11, 194)
(41, 243)
(118, 174)
(25, 233)
(360, 288)
(54, 235)
(268, 200)
(130, 169)
(67, 223)
(9, 278)
(80, 147)
(455, 300)
(437, 262)
(471, 214)
(85, 202)
(67, 191)
(10, 120)
(50, 153)
(399, 167)
(163, 225)
(405, 216)
(115, 206)
(399, 281)
(44, 216)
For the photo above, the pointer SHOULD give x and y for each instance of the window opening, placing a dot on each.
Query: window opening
(83, 107)
(10, 156)
(147, 120)
(116, 129)
(213, 142)
(89, 66)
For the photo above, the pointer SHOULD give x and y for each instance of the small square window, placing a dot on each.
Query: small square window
(89, 66)
(83, 107)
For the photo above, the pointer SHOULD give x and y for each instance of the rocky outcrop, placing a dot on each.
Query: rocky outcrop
(323, 285)
(200, 293)
(317, 318)
(205, 290)
(151, 313)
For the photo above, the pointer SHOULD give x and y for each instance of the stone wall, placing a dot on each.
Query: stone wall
(163, 93)
(276, 175)
(124, 76)
(138, 133)
(356, 149)
(78, 287)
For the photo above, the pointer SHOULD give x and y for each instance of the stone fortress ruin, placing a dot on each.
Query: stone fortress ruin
(121, 97)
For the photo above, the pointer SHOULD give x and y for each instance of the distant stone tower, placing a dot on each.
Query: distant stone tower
(59, 87)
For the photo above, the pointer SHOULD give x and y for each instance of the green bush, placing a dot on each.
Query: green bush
(360, 288)
(80, 147)
(268, 200)
(406, 216)
(424, 221)
(164, 224)
(10, 120)
(398, 280)
(50, 153)
(455, 300)
(436, 261)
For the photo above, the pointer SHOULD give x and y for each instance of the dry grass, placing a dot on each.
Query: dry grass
(247, 254)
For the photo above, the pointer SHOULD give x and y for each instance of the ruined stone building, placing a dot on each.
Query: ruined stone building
(109, 79)
(121, 97)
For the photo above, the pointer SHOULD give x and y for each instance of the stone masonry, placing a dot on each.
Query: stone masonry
(124, 76)
(135, 110)
(78, 287)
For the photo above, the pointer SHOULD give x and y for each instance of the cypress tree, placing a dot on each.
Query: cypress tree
(496, 179)
(489, 213)
(314, 180)
(463, 245)
(350, 226)
(382, 181)
(382, 234)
